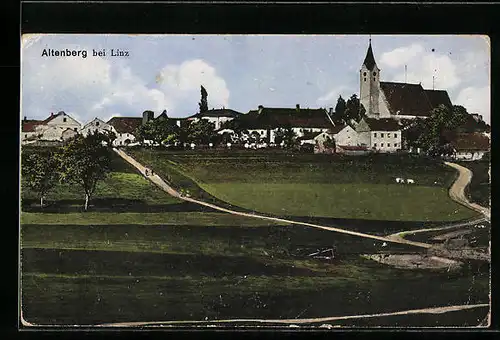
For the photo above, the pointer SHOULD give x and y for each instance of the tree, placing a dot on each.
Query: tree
(329, 143)
(85, 161)
(157, 130)
(434, 134)
(204, 102)
(340, 110)
(290, 137)
(354, 109)
(279, 135)
(201, 131)
(39, 172)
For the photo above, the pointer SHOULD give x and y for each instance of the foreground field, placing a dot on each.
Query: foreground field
(315, 185)
(137, 273)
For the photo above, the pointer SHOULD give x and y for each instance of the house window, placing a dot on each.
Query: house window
(381, 145)
(395, 135)
(96, 123)
(375, 134)
(75, 129)
(388, 145)
(365, 78)
(64, 120)
(396, 145)
(382, 135)
(375, 144)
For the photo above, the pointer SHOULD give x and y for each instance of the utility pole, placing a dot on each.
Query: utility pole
(433, 82)
(406, 72)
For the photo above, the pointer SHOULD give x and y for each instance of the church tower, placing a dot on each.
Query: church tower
(369, 79)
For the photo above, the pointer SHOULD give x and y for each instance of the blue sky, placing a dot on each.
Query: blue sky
(239, 71)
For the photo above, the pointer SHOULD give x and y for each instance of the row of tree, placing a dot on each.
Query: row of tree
(83, 161)
(345, 112)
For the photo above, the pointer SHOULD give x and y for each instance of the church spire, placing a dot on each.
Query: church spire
(369, 59)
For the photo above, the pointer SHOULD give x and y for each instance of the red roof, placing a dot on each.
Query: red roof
(125, 124)
(29, 125)
(471, 141)
(352, 147)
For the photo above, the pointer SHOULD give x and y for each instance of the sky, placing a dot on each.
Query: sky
(240, 72)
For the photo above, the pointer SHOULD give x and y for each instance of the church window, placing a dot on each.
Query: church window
(375, 144)
(374, 79)
(64, 120)
(374, 74)
(382, 135)
(364, 74)
(375, 134)
(381, 145)
(74, 129)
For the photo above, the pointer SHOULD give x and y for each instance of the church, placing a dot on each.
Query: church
(395, 100)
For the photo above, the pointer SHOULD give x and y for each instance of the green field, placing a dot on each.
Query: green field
(315, 185)
(136, 273)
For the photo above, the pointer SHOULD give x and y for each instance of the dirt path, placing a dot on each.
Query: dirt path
(432, 310)
(157, 180)
(457, 193)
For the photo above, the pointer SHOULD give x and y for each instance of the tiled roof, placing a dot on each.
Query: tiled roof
(383, 124)
(293, 117)
(471, 142)
(218, 113)
(406, 99)
(369, 59)
(29, 125)
(125, 124)
(438, 97)
(309, 135)
(352, 147)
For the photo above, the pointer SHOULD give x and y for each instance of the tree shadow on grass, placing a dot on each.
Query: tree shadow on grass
(110, 205)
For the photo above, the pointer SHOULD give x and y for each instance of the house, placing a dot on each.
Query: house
(68, 134)
(352, 150)
(395, 100)
(125, 129)
(344, 134)
(96, 125)
(382, 135)
(266, 121)
(470, 146)
(216, 116)
(50, 129)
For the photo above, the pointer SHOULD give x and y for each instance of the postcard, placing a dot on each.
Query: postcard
(255, 181)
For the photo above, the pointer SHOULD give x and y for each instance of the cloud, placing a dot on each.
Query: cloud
(91, 87)
(400, 56)
(428, 68)
(331, 97)
(476, 100)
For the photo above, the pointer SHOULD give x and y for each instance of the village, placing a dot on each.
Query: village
(386, 111)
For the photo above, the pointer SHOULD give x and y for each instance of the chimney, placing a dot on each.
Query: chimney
(260, 108)
(147, 116)
(25, 118)
(52, 114)
(297, 107)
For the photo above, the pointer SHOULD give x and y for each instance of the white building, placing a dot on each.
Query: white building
(50, 129)
(216, 116)
(96, 125)
(382, 135)
(470, 146)
(125, 129)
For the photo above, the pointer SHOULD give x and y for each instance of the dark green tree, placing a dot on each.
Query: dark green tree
(340, 110)
(354, 109)
(201, 131)
(204, 101)
(157, 130)
(85, 161)
(39, 172)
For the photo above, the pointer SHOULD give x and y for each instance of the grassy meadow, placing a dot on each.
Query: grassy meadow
(315, 185)
(140, 255)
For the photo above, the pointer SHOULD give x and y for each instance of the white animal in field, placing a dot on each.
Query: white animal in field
(193, 145)
(409, 180)
(384, 244)
(211, 144)
(400, 180)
